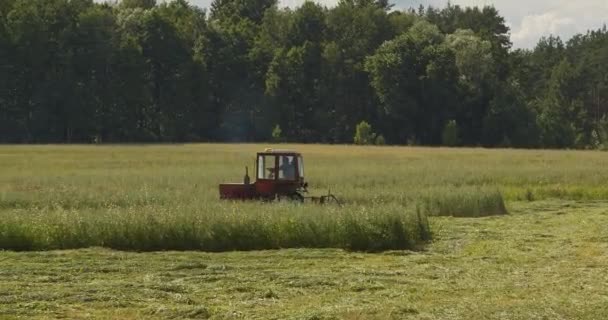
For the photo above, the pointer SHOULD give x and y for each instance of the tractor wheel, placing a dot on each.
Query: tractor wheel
(297, 197)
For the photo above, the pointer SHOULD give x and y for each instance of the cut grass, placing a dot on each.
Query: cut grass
(547, 259)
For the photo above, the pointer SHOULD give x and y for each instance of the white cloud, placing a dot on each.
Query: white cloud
(564, 20)
(531, 19)
(534, 27)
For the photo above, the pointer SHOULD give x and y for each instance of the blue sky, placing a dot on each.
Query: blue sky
(528, 19)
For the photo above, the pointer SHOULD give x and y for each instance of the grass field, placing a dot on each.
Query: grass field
(546, 258)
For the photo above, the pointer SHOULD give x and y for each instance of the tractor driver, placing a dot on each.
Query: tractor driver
(288, 168)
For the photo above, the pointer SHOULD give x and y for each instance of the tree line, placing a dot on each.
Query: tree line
(77, 71)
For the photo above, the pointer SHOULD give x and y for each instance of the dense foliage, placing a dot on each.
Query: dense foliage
(80, 71)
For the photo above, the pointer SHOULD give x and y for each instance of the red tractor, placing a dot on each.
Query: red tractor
(279, 175)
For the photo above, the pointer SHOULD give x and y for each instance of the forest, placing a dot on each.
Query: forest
(78, 71)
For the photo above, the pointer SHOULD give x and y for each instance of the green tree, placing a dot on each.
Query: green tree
(477, 80)
(292, 82)
(364, 134)
(486, 22)
(414, 76)
(379, 140)
(509, 119)
(307, 25)
(231, 11)
(145, 70)
(561, 113)
(601, 134)
(354, 30)
(473, 57)
(450, 135)
(532, 69)
(143, 4)
(276, 134)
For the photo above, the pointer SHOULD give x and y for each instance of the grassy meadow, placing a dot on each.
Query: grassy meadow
(146, 198)
(425, 233)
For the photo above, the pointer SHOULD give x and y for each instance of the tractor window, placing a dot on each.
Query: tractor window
(301, 166)
(287, 168)
(260, 167)
(266, 167)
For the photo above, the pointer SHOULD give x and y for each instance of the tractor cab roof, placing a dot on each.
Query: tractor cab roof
(279, 151)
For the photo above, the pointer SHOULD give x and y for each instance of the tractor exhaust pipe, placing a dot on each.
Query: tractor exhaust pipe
(246, 180)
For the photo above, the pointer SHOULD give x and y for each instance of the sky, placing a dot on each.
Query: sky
(529, 19)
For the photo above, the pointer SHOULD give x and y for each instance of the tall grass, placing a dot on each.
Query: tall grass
(215, 228)
(465, 202)
(166, 197)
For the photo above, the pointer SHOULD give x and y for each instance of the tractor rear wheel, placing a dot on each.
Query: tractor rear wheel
(297, 197)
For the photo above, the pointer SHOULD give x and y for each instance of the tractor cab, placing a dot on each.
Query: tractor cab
(280, 165)
(278, 174)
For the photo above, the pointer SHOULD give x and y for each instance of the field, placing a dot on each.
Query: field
(138, 232)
